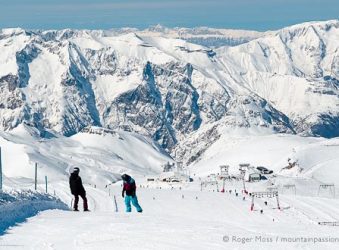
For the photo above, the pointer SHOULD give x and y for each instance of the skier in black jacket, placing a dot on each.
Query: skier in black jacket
(77, 189)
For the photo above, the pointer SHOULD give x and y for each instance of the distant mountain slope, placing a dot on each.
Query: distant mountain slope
(179, 93)
(297, 71)
(205, 36)
(101, 154)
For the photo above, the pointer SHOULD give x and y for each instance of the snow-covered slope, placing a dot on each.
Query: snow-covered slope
(102, 155)
(296, 70)
(176, 215)
(317, 158)
(174, 91)
(183, 219)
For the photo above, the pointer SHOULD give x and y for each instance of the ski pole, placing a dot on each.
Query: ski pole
(116, 204)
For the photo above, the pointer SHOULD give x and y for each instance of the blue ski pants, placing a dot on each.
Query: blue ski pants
(134, 200)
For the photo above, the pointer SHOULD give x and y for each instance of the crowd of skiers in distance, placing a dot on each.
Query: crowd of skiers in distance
(128, 191)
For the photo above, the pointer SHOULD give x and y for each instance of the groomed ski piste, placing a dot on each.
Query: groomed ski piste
(184, 215)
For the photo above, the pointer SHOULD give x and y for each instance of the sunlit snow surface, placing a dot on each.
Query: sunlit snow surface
(175, 216)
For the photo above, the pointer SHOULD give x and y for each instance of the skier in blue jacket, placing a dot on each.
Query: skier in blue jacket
(130, 188)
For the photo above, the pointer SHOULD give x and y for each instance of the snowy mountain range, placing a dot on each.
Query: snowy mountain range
(182, 94)
(201, 35)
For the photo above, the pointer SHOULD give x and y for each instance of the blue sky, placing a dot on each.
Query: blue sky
(105, 14)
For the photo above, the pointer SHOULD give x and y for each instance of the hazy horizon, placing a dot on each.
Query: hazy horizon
(260, 15)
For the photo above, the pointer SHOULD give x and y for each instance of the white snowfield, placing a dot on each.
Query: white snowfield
(182, 218)
(177, 219)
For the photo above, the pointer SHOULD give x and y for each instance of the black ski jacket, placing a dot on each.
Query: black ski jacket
(75, 184)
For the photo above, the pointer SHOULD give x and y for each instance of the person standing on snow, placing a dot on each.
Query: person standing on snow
(129, 187)
(77, 189)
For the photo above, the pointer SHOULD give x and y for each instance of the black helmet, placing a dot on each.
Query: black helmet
(125, 177)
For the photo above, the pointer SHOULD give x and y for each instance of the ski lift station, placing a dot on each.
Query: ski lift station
(170, 176)
(224, 174)
(173, 177)
(172, 172)
(243, 167)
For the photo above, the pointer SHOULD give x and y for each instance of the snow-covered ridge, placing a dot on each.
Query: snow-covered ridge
(169, 89)
(16, 206)
(200, 35)
(102, 156)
